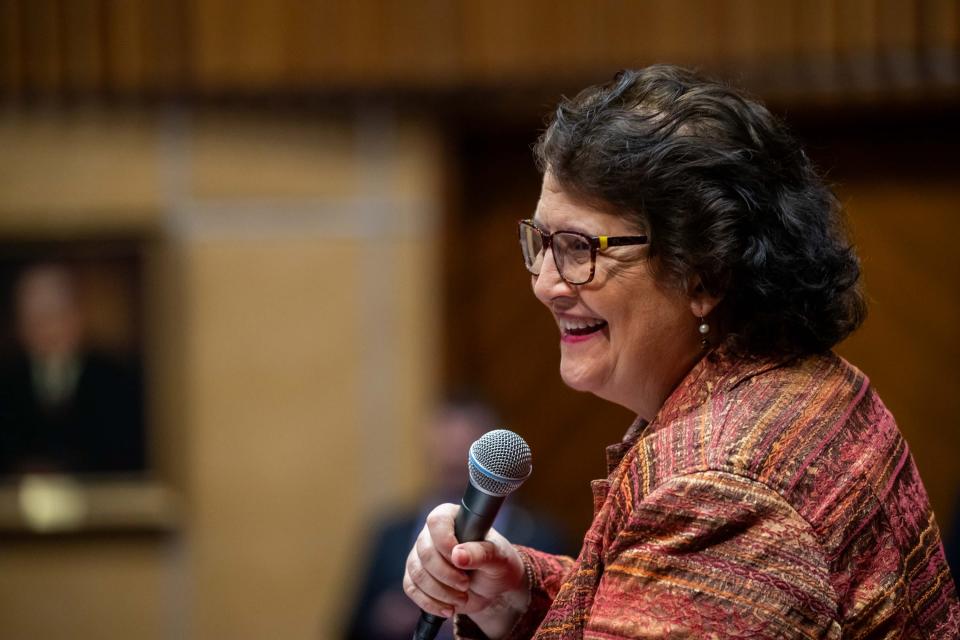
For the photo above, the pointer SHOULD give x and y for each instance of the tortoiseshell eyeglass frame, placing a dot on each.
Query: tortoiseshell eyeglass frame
(597, 244)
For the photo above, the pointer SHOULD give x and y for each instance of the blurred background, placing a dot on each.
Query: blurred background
(286, 228)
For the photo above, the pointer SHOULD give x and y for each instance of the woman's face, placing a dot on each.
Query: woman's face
(623, 337)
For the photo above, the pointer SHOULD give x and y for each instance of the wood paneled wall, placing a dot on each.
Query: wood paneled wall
(67, 47)
(291, 320)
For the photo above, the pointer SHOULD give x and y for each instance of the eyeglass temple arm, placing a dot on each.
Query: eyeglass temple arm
(620, 241)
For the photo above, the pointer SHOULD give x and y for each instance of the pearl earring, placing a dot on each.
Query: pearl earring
(704, 329)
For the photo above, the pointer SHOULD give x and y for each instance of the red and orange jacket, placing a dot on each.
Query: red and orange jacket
(765, 500)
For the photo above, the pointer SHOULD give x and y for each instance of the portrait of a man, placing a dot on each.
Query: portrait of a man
(66, 405)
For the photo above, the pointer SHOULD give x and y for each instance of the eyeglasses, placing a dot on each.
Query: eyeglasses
(575, 254)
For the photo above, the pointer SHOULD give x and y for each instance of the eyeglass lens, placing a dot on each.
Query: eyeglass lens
(571, 252)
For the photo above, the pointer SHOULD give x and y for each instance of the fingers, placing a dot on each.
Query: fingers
(474, 555)
(440, 528)
(434, 559)
(493, 557)
(434, 584)
(466, 594)
(443, 577)
(427, 592)
(495, 565)
(425, 602)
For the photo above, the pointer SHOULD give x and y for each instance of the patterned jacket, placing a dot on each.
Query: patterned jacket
(765, 500)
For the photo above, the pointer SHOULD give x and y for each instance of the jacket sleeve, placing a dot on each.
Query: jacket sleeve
(713, 555)
(545, 573)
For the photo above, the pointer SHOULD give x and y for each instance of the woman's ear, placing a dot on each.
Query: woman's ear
(701, 301)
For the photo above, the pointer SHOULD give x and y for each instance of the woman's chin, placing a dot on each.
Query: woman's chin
(578, 379)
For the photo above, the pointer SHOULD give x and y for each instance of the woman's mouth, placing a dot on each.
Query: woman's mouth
(579, 329)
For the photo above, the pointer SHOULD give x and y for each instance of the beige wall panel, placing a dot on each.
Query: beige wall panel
(165, 346)
(79, 589)
(274, 414)
(415, 169)
(277, 445)
(236, 156)
(414, 329)
(80, 170)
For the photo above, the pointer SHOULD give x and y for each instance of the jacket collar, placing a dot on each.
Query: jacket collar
(718, 371)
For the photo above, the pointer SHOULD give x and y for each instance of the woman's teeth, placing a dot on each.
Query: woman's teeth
(581, 326)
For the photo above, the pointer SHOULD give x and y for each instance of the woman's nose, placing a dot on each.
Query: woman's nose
(549, 285)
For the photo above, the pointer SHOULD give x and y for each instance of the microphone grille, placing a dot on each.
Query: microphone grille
(499, 462)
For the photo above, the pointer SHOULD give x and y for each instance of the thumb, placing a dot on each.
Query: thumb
(474, 555)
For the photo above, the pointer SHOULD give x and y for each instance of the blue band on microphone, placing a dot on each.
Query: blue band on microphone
(490, 474)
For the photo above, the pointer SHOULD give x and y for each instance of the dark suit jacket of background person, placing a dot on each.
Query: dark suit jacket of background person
(100, 428)
(395, 537)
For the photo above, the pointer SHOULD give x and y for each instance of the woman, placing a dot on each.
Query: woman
(699, 274)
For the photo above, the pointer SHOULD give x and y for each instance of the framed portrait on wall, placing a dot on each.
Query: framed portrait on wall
(71, 365)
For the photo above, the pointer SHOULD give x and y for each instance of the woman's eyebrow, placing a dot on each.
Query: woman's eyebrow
(538, 224)
(576, 228)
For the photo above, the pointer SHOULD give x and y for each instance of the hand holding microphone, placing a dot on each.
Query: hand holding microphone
(458, 563)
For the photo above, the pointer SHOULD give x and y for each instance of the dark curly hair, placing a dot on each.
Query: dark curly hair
(728, 197)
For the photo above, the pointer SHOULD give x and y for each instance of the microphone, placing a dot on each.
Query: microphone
(498, 463)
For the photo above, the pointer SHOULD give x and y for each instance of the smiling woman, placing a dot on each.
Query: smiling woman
(623, 337)
(699, 273)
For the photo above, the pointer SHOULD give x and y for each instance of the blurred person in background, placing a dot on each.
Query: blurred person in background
(700, 274)
(64, 407)
(381, 610)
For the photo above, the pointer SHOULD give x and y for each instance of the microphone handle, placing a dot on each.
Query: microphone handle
(428, 627)
(477, 513)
